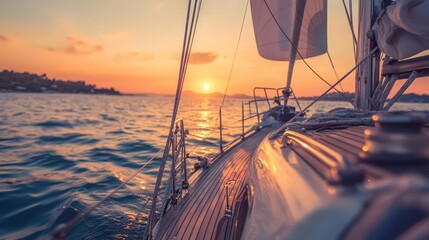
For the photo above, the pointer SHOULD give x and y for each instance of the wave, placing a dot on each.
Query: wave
(108, 118)
(54, 124)
(71, 138)
(86, 122)
(137, 146)
(49, 159)
(62, 153)
(117, 132)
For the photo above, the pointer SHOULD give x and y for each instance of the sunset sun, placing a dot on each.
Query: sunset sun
(206, 86)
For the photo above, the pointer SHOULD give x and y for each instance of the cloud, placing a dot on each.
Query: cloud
(3, 38)
(77, 46)
(202, 58)
(133, 56)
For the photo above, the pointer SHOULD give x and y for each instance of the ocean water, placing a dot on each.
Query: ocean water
(60, 153)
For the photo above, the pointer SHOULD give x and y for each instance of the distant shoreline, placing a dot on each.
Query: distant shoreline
(409, 98)
(75, 93)
(17, 82)
(11, 81)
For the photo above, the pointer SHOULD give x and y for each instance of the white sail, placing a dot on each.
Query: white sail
(403, 30)
(272, 44)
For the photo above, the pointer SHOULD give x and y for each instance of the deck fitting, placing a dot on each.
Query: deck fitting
(398, 137)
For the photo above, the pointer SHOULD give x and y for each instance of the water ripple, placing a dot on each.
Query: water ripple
(137, 146)
(54, 124)
(61, 153)
(49, 159)
(74, 138)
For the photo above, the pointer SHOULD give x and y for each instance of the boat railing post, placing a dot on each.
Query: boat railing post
(173, 169)
(242, 120)
(184, 156)
(256, 105)
(250, 109)
(228, 210)
(296, 100)
(220, 130)
(266, 98)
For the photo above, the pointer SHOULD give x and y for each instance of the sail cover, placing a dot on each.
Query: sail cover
(272, 44)
(403, 29)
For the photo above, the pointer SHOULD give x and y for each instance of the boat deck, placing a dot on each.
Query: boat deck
(198, 214)
(202, 210)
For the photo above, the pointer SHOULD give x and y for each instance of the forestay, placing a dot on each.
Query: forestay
(403, 30)
(271, 40)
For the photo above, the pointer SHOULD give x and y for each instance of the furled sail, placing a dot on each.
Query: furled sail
(272, 42)
(403, 29)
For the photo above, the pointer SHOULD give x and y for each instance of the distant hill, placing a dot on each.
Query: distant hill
(11, 81)
(334, 96)
(415, 98)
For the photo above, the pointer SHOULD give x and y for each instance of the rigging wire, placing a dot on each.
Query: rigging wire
(333, 68)
(195, 18)
(229, 78)
(136, 218)
(173, 119)
(350, 21)
(299, 53)
(236, 51)
(336, 74)
(61, 231)
(190, 29)
(282, 128)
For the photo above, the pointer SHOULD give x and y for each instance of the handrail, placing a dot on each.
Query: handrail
(172, 189)
(173, 183)
(266, 99)
(293, 94)
(405, 67)
(277, 98)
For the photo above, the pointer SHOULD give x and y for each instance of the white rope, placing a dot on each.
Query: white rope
(338, 117)
(283, 128)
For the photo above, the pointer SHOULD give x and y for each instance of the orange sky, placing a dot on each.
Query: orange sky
(134, 46)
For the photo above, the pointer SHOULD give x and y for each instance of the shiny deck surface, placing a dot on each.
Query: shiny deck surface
(198, 214)
(349, 141)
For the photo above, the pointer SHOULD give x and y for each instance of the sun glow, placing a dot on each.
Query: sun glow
(206, 86)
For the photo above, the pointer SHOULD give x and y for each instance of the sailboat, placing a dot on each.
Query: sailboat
(346, 174)
(359, 173)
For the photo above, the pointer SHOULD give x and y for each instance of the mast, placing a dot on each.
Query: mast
(299, 10)
(368, 74)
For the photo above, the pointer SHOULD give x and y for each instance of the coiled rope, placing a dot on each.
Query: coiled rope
(283, 128)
